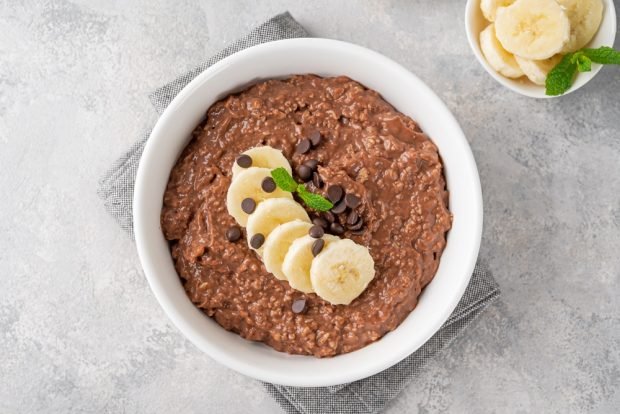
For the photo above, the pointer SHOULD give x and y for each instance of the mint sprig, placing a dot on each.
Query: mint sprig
(561, 77)
(286, 182)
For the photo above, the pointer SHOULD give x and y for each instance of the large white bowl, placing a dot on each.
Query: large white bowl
(327, 58)
(475, 23)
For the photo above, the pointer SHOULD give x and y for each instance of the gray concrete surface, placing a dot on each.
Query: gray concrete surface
(80, 329)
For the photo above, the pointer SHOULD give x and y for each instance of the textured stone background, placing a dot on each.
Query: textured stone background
(79, 328)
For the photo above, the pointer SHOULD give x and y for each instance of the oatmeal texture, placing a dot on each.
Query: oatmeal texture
(368, 148)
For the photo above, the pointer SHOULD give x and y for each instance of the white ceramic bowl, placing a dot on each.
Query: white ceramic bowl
(475, 23)
(399, 87)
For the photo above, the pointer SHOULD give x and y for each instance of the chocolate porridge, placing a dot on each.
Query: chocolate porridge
(366, 147)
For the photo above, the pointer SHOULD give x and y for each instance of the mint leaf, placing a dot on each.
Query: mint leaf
(314, 201)
(283, 179)
(605, 55)
(560, 78)
(584, 64)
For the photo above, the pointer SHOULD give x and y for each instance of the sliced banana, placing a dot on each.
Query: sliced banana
(248, 185)
(278, 243)
(298, 260)
(537, 70)
(533, 29)
(585, 18)
(497, 57)
(342, 271)
(270, 214)
(489, 7)
(264, 157)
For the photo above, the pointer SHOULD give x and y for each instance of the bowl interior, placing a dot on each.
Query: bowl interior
(475, 23)
(399, 87)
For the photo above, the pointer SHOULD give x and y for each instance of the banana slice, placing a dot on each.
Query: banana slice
(247, 184)
(499, 59)
(342, 271)
(278, 243)
(264, 157)
(537, 70)
(270, 214)
(489, 7)
(585, 18)
(533, 29)
(298, 260)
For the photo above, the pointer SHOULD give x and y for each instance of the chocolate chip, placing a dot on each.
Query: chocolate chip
(339, 207)
(316, 232)
(352, 217)
(304, 172)
(303, 146)
(268, 185)
(233, 233)
(352, 200)
(329, 216)
(248, 205)
(244, 161)
(299, 306)
(358, 225)
(316, 180)
(336, 229)
(334, 193)
(313, 164)
(318, 221)
(257, 241)
(315, 138)
(317, 246)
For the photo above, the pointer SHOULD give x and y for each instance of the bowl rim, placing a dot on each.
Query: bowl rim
(142, 188)
(472, 7)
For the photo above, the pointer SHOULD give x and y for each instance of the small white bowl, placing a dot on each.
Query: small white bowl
(475, 23)
(405, 92)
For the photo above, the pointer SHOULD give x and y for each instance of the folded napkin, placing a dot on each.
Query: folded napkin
(369, 395)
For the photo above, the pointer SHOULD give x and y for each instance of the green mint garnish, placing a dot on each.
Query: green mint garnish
(604, 55)
(314, 201)
(286, 182)
(584, 64)
(561, 77)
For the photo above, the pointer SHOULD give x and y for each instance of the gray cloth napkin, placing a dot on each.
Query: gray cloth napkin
(369, 395)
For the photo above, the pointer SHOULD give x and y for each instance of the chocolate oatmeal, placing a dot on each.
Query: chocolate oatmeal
(351, 146)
